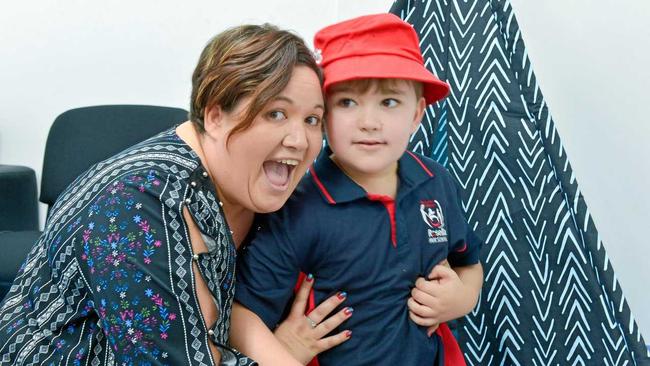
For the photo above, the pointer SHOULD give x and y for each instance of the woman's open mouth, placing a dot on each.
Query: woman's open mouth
(278, 172)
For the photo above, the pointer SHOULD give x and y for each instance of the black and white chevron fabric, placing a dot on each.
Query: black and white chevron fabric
(550, 296)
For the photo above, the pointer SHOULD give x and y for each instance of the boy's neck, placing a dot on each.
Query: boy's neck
(383, 183)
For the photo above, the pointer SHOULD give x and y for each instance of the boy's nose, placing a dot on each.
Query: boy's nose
(369, 120)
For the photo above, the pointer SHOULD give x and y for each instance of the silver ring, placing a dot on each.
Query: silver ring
(312, 323)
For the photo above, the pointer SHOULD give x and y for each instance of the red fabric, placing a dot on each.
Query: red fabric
(322, 189)
(311, 305)
(375, 46)
(451, 349)
(421, 163)
(389, 203)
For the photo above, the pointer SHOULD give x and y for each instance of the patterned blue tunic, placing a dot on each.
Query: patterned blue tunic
(110, 281)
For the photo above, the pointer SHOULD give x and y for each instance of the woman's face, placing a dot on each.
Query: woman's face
(260, 167)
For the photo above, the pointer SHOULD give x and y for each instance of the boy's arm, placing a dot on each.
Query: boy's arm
(449, 293)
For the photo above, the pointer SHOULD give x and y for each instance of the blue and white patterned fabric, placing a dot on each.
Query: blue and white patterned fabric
(550, 296)
(110, 281)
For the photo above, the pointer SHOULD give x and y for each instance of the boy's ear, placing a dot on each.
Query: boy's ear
(419, 113)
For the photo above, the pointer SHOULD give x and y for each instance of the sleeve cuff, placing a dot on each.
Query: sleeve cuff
(466, 254)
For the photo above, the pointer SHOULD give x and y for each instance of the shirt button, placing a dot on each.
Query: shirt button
(210, 332)
(220, 203)
(188, 201)
(193, 184)
(205, 174)
(195, 257)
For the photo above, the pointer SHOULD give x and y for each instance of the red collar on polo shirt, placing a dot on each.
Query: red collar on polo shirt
(336, 187)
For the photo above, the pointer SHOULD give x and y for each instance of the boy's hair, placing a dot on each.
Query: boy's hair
(361, 86)
(243, 61)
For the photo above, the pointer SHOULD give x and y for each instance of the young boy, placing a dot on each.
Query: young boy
(370, 217)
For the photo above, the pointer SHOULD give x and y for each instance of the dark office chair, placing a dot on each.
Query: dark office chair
(77, 139)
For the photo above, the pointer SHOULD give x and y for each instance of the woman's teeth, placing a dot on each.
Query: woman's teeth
(288, 162)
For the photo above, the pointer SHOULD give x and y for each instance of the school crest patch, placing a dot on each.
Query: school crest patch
(435, 220)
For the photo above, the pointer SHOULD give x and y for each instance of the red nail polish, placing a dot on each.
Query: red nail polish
(310, 277)
(342, 295)
(348, 311)
(348, 333)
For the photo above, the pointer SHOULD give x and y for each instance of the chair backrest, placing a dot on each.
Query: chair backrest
(82, 137)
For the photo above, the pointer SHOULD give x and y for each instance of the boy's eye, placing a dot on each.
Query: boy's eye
(276, 115)
(313, 120)
(347, 103)
(390, 102)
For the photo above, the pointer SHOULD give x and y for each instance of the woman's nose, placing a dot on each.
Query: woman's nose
(296, 136)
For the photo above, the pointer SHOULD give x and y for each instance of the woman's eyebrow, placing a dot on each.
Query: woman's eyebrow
(290, 101)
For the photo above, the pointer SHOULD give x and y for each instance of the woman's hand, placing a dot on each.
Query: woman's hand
(305, 336)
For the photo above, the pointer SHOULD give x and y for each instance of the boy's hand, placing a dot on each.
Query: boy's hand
(304, 336)
(441, 298)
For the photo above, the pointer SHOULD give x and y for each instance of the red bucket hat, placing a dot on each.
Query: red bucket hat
(379, 46)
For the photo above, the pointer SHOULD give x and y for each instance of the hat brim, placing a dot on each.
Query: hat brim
(385, 67)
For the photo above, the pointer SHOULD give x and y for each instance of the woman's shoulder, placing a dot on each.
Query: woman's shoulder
(162, 162)
(165, 152)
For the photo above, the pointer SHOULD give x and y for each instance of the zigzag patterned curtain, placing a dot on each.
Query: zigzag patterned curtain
(550, 296)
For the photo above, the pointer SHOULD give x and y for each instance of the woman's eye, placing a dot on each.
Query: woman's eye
(313, 120)
(390, 102)
(347, 103)
(277, 115)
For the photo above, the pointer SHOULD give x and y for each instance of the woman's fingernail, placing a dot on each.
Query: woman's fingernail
(342, 295)
(348, 333)
(310, 277)
(348, 311)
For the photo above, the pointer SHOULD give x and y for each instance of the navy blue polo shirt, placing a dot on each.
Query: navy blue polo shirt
(372, 247)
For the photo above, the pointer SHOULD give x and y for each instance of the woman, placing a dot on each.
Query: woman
(136, 262)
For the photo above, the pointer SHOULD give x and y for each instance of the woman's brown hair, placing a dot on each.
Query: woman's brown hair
(254, 61)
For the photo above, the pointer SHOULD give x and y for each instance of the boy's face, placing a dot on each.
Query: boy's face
(369, 131)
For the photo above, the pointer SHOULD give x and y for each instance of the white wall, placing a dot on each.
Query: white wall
(590, 59)
(60, 54)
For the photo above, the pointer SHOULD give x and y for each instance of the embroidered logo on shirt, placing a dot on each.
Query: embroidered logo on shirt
(432, 216)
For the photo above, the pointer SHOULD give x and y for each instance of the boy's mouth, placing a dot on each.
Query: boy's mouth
(278, 172)
(369, 142)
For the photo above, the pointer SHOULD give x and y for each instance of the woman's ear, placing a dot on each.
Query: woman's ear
(419, 113)
(213, 120)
